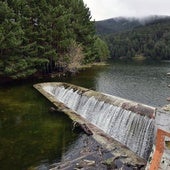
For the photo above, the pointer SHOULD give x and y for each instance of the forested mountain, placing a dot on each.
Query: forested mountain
(151, 39)
(120, 24)
(45, 36)
(116, 25)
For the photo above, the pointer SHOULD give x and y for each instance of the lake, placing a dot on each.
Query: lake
(31, 134)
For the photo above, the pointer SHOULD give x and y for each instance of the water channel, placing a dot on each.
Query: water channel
(31, 134)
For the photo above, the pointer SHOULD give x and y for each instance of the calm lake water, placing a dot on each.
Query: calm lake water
(30, 134)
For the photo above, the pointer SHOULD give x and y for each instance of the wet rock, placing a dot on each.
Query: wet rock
(85, 163)
(108, 162)
(42, 167)
(116, 163)
(83, 126)
(166, 107)
(168, 99)
(52, 109)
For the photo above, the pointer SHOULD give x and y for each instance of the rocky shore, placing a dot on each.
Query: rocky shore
(88, 154)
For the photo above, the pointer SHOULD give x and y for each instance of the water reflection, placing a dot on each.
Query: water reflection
(29, 132)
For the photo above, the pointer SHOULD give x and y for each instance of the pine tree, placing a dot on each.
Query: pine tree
(39, 35)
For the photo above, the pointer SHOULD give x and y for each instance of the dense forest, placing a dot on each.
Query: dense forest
(149, 38)
(45, 36)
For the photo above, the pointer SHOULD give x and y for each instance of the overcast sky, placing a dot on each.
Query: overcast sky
(104, 9)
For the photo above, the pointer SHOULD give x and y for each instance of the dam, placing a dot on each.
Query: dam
(130, 124)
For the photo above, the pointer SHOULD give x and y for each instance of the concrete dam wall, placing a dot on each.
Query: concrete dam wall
(130, 123)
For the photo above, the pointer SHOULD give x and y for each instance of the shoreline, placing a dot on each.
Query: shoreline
(6, 80)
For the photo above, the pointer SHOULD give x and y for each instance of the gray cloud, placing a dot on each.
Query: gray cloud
(103, 9)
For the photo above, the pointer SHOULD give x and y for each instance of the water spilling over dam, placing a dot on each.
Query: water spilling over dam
(128, 122)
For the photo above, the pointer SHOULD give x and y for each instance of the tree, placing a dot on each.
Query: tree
(75, 57)
(18, 50)
(83, 28)
(101, 48)
(39, 35)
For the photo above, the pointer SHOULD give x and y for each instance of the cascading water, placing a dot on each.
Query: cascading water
(131, 129)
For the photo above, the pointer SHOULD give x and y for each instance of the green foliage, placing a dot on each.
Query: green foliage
(102, 51)
(38, 35)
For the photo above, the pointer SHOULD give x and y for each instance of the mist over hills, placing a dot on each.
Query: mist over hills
(120, 24)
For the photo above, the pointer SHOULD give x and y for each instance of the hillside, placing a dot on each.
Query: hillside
(116, 25)
(120, 24)
(150, 38)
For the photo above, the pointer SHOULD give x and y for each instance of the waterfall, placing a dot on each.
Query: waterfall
(134, 130)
